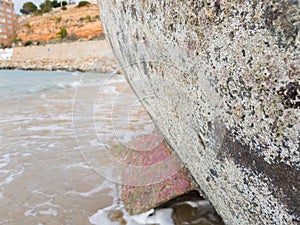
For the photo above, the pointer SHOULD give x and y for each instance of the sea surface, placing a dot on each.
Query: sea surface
(52, 127)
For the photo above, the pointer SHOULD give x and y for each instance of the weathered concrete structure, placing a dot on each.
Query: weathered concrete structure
(221, 80)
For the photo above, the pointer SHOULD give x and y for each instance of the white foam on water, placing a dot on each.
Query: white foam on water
(51, 145)
(94, 142)
(16, 119)
(102, 217)
(109, 89)
(157, 216)
(104, 185)
(43, 128)
(38, 191)
(48, 209)
(74, 84)
(40, 137)
(9, 221)
(5, 160)
(116, 79)
(65, 85)
(141, 218)
(47, 203)
(3, 172)
(26, 154)
(49, 212)
(76, 73)
(63, 117)
(61, 85)
(30, 212)
(83, 165)
(164, 216)
(3, 164)
(25, 144)
(194, 204)
(11, 177)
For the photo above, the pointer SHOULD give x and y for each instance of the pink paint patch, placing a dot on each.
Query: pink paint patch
(137, 199)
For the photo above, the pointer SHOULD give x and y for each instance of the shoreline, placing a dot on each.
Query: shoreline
(89, 64)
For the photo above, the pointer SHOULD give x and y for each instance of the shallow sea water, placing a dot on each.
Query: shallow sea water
(47, 175)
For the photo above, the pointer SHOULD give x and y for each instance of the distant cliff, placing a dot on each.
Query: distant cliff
(80, 23)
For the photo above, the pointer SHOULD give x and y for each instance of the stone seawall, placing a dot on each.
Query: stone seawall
(83, 56)
(63, 50)
(224, 84)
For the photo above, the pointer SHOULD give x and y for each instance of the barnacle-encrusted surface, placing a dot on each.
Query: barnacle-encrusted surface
(221, 80)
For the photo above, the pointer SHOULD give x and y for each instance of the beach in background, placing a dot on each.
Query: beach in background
(44, 176)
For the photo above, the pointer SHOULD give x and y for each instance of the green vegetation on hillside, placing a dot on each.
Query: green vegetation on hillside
(56, 4)
(83, 3)
(27, 25)
(28, 8)
(57, 19)
(62, 33)
(89, 18)
(46, 6)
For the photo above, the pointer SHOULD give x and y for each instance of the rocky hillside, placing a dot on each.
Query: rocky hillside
(80, 23)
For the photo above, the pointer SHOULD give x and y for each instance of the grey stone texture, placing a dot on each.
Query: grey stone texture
(221, 81)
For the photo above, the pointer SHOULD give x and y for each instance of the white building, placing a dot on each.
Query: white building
(93, 1)
(71, 2)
